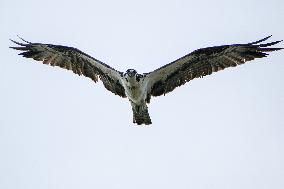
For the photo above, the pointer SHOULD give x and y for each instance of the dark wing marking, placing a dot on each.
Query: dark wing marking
(204, 62)
(73, 59)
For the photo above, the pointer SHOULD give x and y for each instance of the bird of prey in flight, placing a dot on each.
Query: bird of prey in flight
(139, 88)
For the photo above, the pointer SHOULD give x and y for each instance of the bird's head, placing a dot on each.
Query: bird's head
(130, 73)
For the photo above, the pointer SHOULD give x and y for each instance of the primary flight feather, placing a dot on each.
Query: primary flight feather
(139, 88)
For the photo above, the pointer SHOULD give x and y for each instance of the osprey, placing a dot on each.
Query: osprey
(139, 88)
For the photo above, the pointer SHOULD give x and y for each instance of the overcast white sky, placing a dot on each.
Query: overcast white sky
(59, 130)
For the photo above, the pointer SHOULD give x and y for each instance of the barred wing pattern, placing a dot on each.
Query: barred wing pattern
(204, 62)
(73, 59)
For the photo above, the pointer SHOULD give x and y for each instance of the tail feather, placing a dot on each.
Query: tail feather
(141, 114)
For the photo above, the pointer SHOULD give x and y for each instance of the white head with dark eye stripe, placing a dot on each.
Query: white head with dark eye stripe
(132, 76)
(129, 74)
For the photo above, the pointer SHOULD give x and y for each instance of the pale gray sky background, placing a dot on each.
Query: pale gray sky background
(59, 130)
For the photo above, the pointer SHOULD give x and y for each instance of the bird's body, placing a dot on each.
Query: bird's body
(135, 86)
(139, 88)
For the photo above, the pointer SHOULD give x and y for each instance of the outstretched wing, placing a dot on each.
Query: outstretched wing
(204, 62)
(73, 59)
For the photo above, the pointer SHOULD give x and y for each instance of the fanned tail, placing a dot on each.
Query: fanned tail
(141, 114)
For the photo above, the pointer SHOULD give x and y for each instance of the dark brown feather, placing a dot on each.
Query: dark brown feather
(205, 61)
(71, 59)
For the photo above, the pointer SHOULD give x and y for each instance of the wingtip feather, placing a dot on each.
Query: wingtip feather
(23, 39)
(269, 44)
(18, 43)
(270, 49)
(21, 48)
(261, 40)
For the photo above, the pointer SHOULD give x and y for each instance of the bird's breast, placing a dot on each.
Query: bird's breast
(134, 93)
